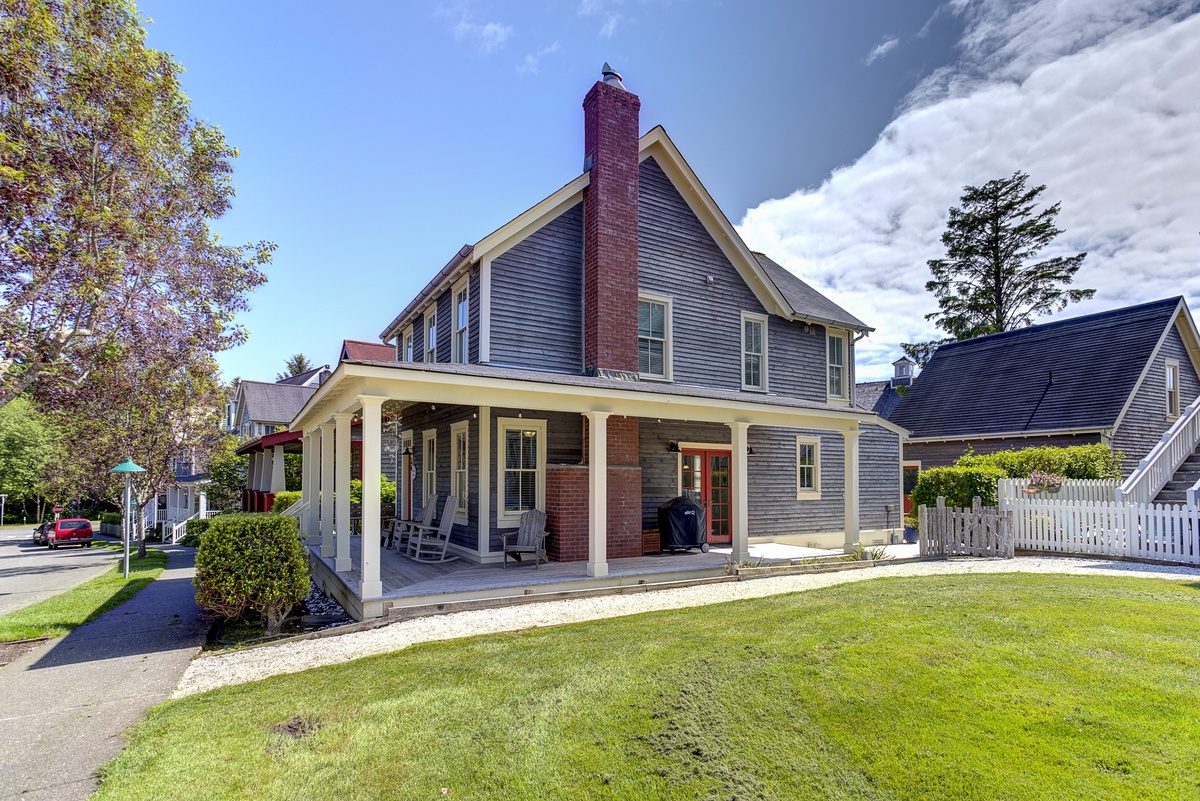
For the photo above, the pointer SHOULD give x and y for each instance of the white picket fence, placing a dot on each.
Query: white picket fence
(1161, 532)
(1099, 491)
(978, 531)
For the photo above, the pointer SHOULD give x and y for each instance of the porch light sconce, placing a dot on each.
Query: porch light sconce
(672, 446)
(749, 451)
(407, 451)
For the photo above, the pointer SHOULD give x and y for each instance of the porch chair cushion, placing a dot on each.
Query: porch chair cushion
(529, 538)
(428, 544)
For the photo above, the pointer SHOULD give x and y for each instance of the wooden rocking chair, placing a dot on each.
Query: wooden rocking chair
(529, 538)
(428, 544)
(402, 530)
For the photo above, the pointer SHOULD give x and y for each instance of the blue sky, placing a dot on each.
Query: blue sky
(377, 138)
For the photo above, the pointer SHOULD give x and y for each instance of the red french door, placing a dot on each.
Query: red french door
(705, 479)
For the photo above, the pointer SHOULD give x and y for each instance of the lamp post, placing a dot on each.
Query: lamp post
(3, 498)
(127, 467)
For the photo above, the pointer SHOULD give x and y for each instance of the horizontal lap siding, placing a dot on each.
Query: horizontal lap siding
(945, 454)
(564, 445)
(660, 467)
(878, 478)
(445, 332)
(796, 360)
(1146, 419)
(774, 508)
(417, 419)
(473, 318)
(675, 256)
(537, 298)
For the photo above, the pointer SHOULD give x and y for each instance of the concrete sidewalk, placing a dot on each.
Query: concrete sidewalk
(64, 707)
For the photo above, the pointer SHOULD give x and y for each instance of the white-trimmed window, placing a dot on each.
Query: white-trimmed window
(407, 354)
(654, 336)
(754, 351)
(808, 468)
(1172, 388)
(428, 464)
(431, 334)
(459, 450)
(462, 319)
(521, 468)
(836, 361)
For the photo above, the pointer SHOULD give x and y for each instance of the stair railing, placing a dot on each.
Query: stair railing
(1153, 472)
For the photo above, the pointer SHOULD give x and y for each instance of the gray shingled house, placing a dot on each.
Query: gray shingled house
(1119, 377)
(612, 347)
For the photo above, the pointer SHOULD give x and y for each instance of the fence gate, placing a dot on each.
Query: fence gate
(978, 531)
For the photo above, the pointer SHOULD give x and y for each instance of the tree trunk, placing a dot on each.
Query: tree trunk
(141, 528)
(273, 617)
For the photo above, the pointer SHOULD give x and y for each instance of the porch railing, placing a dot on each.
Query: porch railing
(1153, 472)
(178, 530)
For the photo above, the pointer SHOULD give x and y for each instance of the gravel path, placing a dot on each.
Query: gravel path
(210, 672)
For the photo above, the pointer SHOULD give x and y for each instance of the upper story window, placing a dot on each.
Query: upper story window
(836, 349)
(406, 346)
(431, 334)
(754, 351)
(654, 336)
(462, 317)
(1172, 388)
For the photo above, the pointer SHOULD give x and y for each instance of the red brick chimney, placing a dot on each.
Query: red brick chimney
(610, 229)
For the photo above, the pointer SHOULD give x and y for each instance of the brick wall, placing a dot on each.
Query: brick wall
(567, 505)
(622, 441)
(610, 230)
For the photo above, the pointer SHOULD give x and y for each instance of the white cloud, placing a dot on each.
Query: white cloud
(1094, 98)
(487, 38)
(882, 49)
(532, 63)
(610, 26)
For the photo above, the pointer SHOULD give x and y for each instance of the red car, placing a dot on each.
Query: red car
(72, 531)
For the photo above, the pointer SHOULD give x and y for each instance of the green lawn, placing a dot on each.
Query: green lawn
(58, 616)
(963, 687)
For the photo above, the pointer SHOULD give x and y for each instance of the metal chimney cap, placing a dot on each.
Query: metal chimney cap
(612, 77)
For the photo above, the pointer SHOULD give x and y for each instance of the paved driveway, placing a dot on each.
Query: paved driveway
(30, 573)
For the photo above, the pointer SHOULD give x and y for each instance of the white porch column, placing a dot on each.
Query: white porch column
(308, 492)
(597, 564)
(278, 482)
(265, 467)
(341, 486)
(372, 430)
(485, 479)
(203, 502)
(191, 501)
(852, 530)
(326, 437)
(252, 470)
(739, 490)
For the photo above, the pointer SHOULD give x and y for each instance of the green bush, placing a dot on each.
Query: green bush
(251, 562)
(194, 532)
(959, 486)
(1078, 461)
(285, 499)
(111, 518)
(387, 490)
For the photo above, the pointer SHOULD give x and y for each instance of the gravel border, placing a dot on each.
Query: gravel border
(238, 667)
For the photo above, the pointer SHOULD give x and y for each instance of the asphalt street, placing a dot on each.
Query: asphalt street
(29, 573)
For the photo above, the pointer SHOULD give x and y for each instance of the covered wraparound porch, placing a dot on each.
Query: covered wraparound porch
(360, 390)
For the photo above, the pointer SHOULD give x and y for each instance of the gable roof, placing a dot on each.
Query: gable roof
(780, 292)
(1073, 374)
(263, 402)
(306, 378)
(366, 351)
(878, 397)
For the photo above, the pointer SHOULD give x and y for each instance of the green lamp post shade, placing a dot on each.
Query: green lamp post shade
(128, 466)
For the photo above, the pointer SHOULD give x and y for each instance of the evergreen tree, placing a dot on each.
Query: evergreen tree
(296, 365)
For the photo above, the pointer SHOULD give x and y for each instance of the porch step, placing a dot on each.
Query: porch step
(1175, 490)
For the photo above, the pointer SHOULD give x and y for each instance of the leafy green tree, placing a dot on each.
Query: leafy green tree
(227, 474)
(296, 365)
(990, 280)
(26, 444)
(108, 187)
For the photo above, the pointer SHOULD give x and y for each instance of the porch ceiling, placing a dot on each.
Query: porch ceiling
(479, 385)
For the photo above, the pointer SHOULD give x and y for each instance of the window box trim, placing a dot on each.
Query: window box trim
(763, 320)
(504, 424)
(805, 494)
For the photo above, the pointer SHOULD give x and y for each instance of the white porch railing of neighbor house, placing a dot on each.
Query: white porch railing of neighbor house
(177, 531)
(150, 514)
(1100, 491)
(1160, 532)
(1153, 472)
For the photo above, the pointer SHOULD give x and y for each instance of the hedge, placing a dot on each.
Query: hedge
(194, 532)
(959, 486)
(387, 490)
(251, 562)
(111, 518)
(1078, 461)
(285, 499)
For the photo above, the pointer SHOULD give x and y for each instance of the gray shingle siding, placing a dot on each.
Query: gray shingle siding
(445, 334)
(796, 360)
(1146, 420)
(946, 453)
(660, 468)
(878, 478)
(473, 318)
(774, 509)
(537, 298)
(418, 419)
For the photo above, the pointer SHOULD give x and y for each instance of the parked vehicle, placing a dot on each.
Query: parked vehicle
(39, 533)
(72, 531)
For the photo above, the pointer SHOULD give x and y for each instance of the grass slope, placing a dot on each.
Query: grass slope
(966, 687)
(58, 616)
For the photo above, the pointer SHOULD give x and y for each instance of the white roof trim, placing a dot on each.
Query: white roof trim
(1187, 330)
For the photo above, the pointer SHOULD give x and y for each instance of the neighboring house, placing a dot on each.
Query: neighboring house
(882, 397)
(613, 347)
(1120, 377)
(261, 407)
(356, 351)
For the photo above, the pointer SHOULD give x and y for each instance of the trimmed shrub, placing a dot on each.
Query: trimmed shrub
(194, 532)
(251, 562)
(959, 486)
(285, 499)
(387, 490)
(1078, 461)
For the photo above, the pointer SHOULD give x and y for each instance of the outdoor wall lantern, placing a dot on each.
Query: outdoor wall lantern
(672, 447)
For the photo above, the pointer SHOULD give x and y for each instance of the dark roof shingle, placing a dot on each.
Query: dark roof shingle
(273, 403)
(805, 301)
